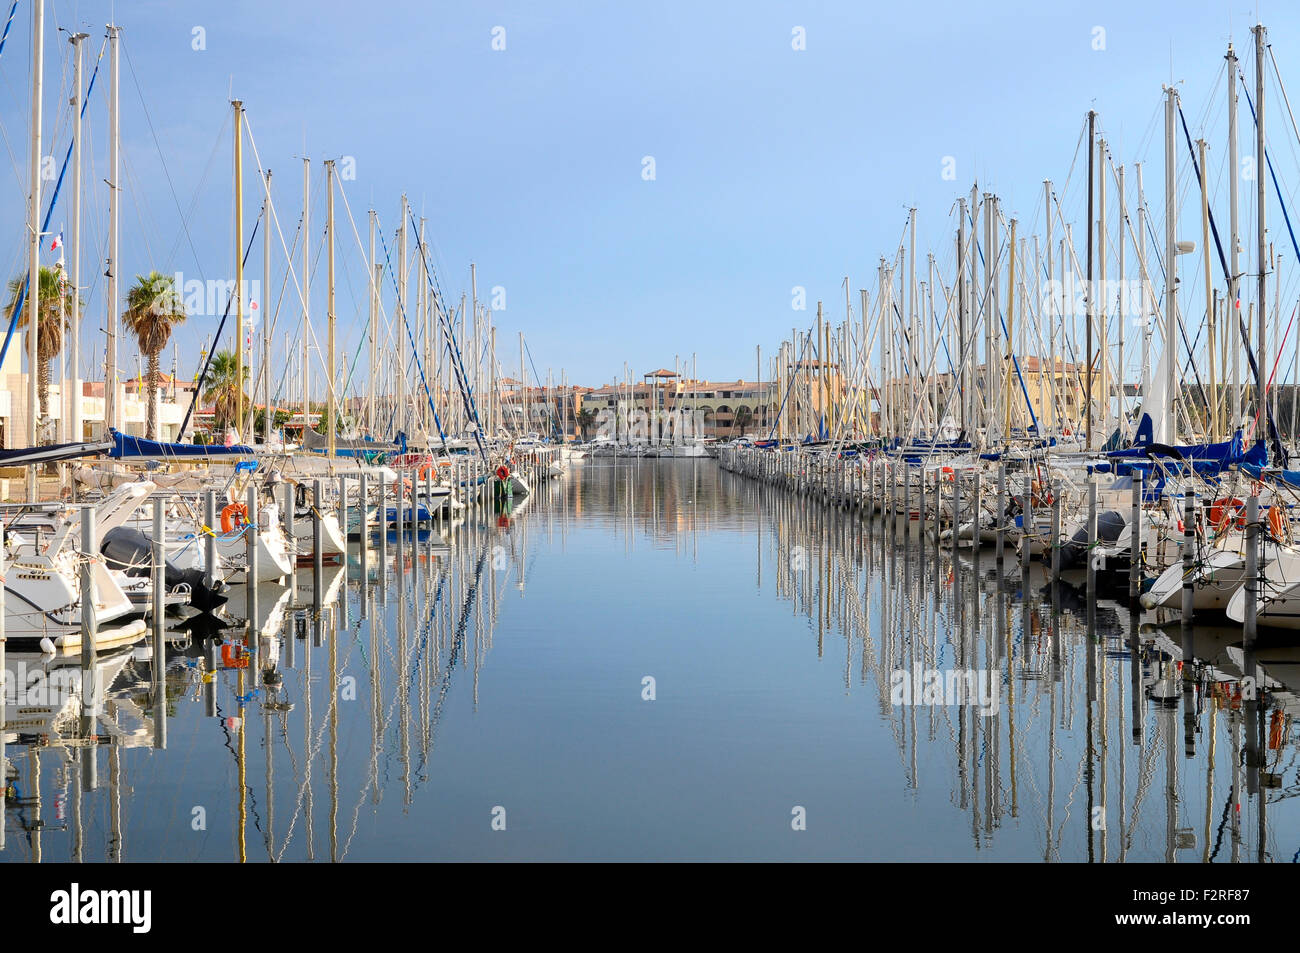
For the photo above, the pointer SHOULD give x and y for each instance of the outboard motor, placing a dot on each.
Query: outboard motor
(129, 551)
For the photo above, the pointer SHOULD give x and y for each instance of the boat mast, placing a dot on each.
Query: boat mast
(112, 412)
(1148, 314)
(239, 262)
(1124, 296)
(34, 235)
(73, 412)
(959, 378)
(330, 381)
(1103, 317)
(1052, 311)
(989, 254)
(1087, 291)
(267, 413)
(1171, 260)
(403, 281)
(375, 273)
(1261, 249)
(1212, 401)
(1234, 277)
(306, 292)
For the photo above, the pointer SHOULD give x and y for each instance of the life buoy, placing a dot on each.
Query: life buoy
(228, 514)
(1224, 510)
(503, 472)
(1277, 522)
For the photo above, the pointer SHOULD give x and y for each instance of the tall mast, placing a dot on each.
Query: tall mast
(1171, 258)
(239, 262)
(1087, 291)
(990, 253)
(1261, 259)
(375, 273)
(34, 235)
(306, 293)
(403, 283)
(331, 388)
(112, 412)
(1103, 316)
(1212, 399)
(73, 383)
(1052, 312)
(1011, 327)
(959, 376)
(1123, 224)
(268, 414)
(1233, 332)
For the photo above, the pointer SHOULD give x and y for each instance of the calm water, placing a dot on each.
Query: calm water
(500, 675)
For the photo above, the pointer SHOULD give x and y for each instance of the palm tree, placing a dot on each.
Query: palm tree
(55, 305)
(586, 419)
(223, 388)
(153, 308)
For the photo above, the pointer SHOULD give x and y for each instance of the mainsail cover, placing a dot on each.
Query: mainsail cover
(314, 440)
(27, 456)
(125, 446)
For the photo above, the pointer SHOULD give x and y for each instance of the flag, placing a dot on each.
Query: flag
(57, 243)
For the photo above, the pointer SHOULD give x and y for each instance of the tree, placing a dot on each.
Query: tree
(223, 388)
(586, 420)
(278, 419)
(153, 308)
(743, 417)
(55, 306)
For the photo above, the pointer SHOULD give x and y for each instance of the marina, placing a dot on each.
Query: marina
(413, 504)
(393, 717)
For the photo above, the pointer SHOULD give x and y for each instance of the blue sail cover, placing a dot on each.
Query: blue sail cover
(125, 447)
(1291, 477)
(1206, 459)
(1225, 452)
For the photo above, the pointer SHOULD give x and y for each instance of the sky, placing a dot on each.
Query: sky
(774, 166)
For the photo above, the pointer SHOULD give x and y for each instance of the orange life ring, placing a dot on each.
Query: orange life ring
(228, 514)
(1276, 522)
(503, 472)
(1224, 509)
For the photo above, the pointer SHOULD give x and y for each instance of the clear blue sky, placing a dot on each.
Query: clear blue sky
(774, 167)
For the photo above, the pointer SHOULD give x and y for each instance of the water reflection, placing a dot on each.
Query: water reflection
(389, 707)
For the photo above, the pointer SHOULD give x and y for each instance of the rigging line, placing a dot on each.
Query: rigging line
(1263, 404)
(203, 181)
(442, 436)
(171, 186)
(9, 23)
(45, 225)
(371, 284)
(458, 363)
(207, 363)
(794, 376)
